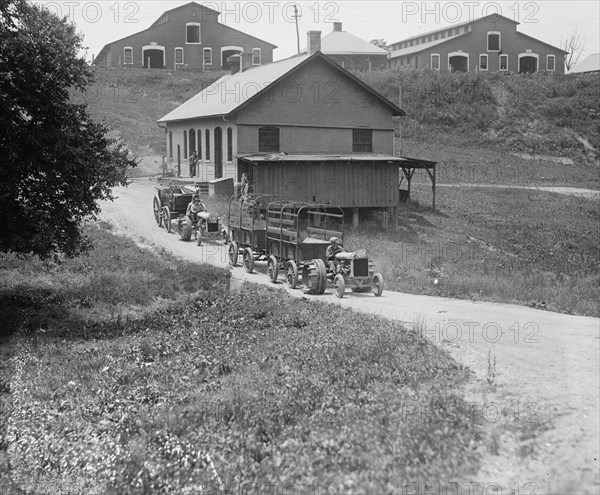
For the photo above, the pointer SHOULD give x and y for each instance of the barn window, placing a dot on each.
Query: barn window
(178, 56)
(207, 145)
(362, 140)
(503, 62)
(199, 144)
(256, 56)
(493, 41)
(128, 55)
(550, 62)
(268, 139)
(170, 144)
(208, 56)
(229, 144)
(435, 61)
(192, 32)
(483, 62)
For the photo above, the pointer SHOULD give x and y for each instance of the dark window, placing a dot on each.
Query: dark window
(268, 139)
(493, 42)
(192, 141)
(184, 144)
(170, 144)
(207, 145)
(503, 62)
(192, 33)
(229, 144)
(362, 140)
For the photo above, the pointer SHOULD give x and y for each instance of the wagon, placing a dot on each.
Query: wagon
(246, 228)
(170, 202)
(296, 241)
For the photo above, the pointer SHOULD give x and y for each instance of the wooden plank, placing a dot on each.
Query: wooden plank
(325, 232)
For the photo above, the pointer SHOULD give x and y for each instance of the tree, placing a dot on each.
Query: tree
(574, 43)
(381, 43)
(55, 162)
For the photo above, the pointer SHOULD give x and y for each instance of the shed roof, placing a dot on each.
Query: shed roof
(424, 46)
(344, 43)
(401, 161)
(232, 92)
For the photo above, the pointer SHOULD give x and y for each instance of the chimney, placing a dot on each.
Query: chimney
(337, 26)
(314, 42)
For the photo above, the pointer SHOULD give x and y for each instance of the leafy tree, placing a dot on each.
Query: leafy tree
(55, 162)
(381, 43)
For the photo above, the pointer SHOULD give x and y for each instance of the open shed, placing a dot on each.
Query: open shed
(408, 167)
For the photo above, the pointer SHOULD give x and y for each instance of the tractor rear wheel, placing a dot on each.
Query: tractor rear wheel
(185, 229)
(377, 284)
(272, 268)
(314, 276)
(233, 253)
(248, 259)
(322, 275)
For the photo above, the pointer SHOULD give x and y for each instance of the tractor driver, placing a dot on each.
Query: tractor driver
(194, 208)
(334, 248)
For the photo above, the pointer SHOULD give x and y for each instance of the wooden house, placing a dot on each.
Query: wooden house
(490, 43)
(189, 36)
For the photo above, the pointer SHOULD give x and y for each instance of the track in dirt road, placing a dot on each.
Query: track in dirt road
(536, 373)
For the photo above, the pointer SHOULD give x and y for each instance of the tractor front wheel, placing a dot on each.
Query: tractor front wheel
(377, 284)
(339, 286)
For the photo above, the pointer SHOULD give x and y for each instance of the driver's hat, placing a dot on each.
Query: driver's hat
(333, 239)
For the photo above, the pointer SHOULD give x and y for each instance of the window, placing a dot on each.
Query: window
(170, 144)
(503, 62)
(178, 56)
(207, 56)
(362, 140)
(268, 139)
(483, 62)
(493, 41)
(256, 56)
(207, 145)
(184, 144)
(550, 62)
(229, 144)
(435, 61)
(199, 144)
(192, 141)
(192, 32)
(128, 55)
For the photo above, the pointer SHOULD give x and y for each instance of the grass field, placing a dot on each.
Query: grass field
(133, 372)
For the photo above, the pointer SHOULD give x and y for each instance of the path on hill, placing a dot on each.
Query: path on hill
(569, 191)
(536, 382)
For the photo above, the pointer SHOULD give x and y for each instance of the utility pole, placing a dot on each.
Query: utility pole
(296, 17)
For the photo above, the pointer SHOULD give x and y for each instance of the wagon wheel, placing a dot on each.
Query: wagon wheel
(322, 269)
(156, 207)
(233, 253)
(166, 214)
(339, 286)
(314, 277)
(185, 228)
(248, 259)
(377, 284)
(291, 274)
(273, 268)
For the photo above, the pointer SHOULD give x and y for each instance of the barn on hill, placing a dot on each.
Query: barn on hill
(303, 127)
(490, 43)
(189, 36)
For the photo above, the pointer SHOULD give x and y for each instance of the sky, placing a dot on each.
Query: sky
(103, 21)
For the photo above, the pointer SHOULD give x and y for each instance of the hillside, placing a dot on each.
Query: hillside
(541, 128)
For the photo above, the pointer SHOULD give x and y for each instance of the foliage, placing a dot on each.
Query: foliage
(231, 391)
(381, 43)
(54, 160)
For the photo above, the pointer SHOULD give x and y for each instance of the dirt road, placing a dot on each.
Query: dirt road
(536, 373)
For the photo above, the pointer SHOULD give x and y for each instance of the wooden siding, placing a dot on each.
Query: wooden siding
(344, 184)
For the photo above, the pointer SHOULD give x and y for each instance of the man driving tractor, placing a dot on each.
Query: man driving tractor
(334, 248)
(194, 208)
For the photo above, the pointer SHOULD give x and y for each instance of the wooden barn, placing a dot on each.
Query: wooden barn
(303, 127)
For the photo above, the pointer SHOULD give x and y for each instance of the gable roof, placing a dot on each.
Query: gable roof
(233, 92)
(589, 64)
(424, 46)
(186, 5)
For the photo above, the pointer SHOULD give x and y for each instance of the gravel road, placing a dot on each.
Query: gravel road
(536, 376)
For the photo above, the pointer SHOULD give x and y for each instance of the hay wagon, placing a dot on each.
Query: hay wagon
(170, 203)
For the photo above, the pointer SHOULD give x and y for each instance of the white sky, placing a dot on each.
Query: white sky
(103, 21)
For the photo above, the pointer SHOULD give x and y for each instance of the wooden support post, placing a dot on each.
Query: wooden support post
(355, 217)
(433, 186)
